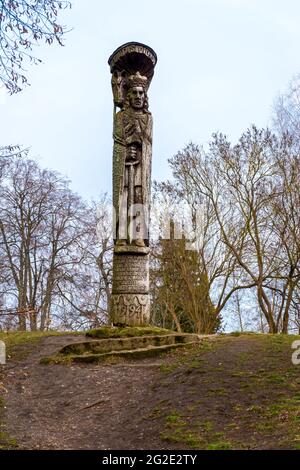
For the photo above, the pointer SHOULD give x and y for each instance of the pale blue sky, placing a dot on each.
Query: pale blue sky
(220, 65)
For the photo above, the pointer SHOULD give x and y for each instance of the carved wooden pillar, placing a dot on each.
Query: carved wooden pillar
(132, 67)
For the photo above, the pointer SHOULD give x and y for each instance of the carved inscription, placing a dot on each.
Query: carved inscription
(130, 309)
(133, 48)
(131, 274)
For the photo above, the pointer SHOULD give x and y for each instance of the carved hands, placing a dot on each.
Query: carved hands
(131, 153)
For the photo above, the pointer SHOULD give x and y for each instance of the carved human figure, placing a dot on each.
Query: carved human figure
(132, 165)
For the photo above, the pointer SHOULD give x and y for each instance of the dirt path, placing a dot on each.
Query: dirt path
(49, 407)
(230, 392)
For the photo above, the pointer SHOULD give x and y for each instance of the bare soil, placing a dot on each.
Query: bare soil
(229, 392)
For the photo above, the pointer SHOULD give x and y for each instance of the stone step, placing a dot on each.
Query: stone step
(139, 353)
(103, 346)
(106, 331)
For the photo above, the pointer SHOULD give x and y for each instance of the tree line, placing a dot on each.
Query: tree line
(247, 268)
(55, 269)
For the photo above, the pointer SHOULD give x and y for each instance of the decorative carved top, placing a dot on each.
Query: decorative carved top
(133, 56)
(130, 64)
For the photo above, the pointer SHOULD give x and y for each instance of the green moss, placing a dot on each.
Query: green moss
(115, 332)
(241, 333)
(274, 378)
(171, 436)
(168, 368)
(178, 430)
(175, 418)
(111, 356)
(6, 442)
(191, 440)
(156, 413)
(179, 435)
(58, 359)
(219, 445)
(207, 426)
(255, 408)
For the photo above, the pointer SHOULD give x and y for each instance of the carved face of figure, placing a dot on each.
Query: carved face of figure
(137, 97)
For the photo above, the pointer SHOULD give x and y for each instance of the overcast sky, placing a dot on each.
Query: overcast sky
(220, 65)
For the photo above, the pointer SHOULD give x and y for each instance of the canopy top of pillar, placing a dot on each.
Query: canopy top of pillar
(132, 57)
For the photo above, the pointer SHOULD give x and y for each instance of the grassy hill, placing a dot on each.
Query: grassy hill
(238, 391)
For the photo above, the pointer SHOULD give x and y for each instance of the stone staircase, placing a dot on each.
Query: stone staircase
(134, 347)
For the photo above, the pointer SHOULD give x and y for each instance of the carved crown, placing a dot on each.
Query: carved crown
(138, 80)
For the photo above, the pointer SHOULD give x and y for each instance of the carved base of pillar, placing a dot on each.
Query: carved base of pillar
(130, 309)
(130, 302)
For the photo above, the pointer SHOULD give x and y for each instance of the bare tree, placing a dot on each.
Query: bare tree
(286, 215)
(7, 155)
(217, 265)
(40, 225)
(23, 24)
(250, 202)
(85, 292)
(286, 112)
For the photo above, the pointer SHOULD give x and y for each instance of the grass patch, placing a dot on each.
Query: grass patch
(22, 338)
(219, 445)
(279, 343)
(201, 436)
(253, 398)
(175, 418)
(188, 357)
(6, 442)
(18, 345)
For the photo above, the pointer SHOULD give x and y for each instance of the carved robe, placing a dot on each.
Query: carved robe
(132, 128)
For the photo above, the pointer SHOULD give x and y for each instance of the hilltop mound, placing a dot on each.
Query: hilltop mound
(227, 392)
